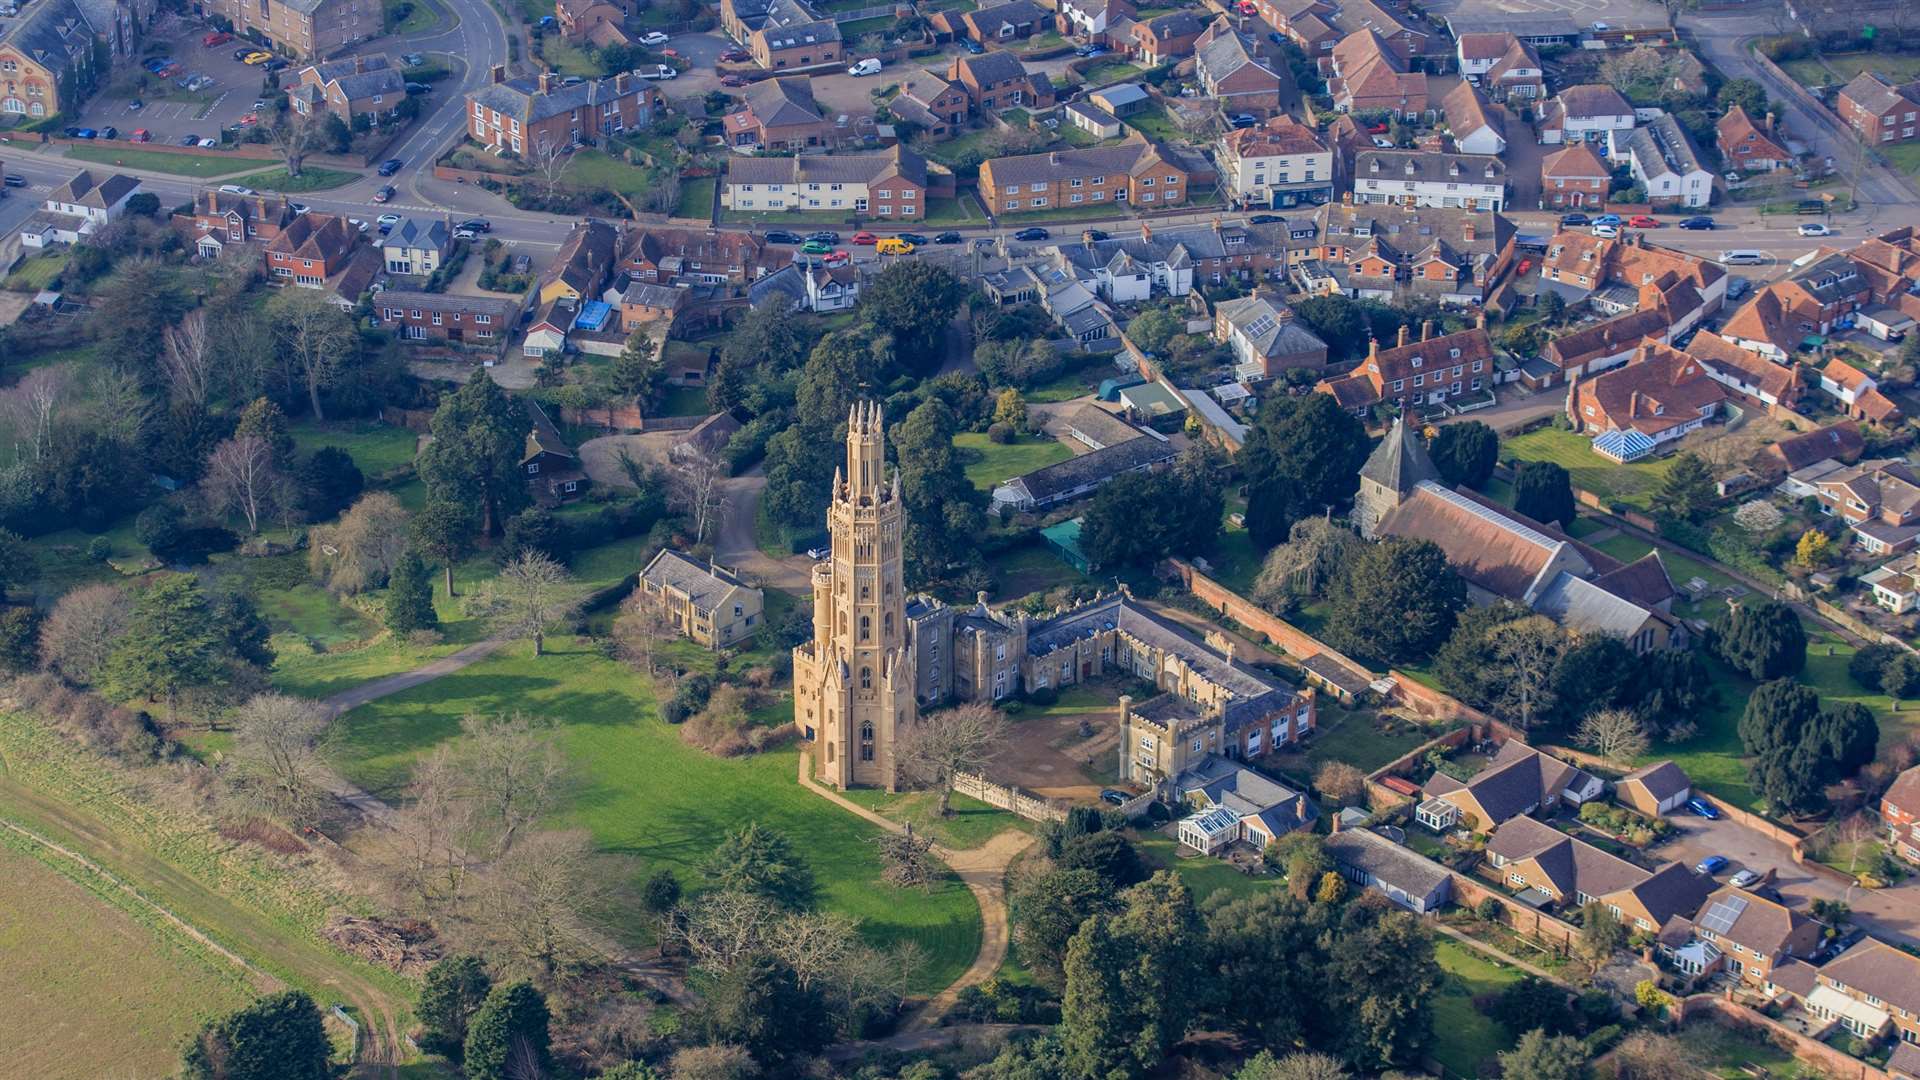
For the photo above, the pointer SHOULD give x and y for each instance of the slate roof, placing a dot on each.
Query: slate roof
(799, 34)
(379, 77)
(1176, 25)
(1420, 166)
(871, 168)
(1673, 891)
(1049, 481)
(1661, 145)
(784, 285)
(993, 66)
(499, 307)
(1102, 426)
(1368, 851)
(1280, 333)
(52, 33)
(542, 436)
(1400, 461)
(1589, 100)
(82, 189)
(1662, 779)
(1841, 440)
(521, 98)
(704, 583)
(784, 101)
(412, 232)
(1229, 52)
(1585, 607)
(1644, 581)
(1128, 158)
(1248, 794)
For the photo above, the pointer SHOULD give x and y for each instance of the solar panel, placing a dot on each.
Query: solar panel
(1723, 914)
(1260, 326)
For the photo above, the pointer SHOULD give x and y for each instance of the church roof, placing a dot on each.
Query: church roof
(1400, 461)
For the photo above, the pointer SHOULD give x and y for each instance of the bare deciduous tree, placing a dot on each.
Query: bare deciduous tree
(187, 360)
(513, 770)
(81, 631)
(1855, 832)
(906, 859)
(816, 946)
(697, 486)
(1315, 553)
(1645, 1055)
(432, 829)
(532, 595)
(241, 477)
(317, 337)
(940, 746)
(1615, 734)
(294, 137)
(549, 160)
(1525, 651)
(537, 897)
(720, 929)
(662, 192)
(359, 551)
(120, 408)
(33, 406)
(639, 632)
(1341, 782)
(275, 761)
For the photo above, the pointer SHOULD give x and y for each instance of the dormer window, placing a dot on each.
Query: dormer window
(1416, 361)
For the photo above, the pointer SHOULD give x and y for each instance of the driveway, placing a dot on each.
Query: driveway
(1893, 914)
(700, 51)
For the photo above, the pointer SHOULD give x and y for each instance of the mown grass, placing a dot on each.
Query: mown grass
(378, 449)
(971, 824)
(649, 798)
(154, 160)
(1633, 484)
(1466, 1036)
(310, 179)
(37, 272)
(1203, 874)
(989, 464)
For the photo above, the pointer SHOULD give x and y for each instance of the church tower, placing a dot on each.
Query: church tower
(1393, 469)
(853, 683)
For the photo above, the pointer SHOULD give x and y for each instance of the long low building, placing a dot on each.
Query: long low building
(1082, 474)
(892, 183)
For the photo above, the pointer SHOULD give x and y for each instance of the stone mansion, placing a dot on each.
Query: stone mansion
(878, 656)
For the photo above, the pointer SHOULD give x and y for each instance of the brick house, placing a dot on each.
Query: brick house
(1899, 813)
(1407, 38)
(1387, 251)
(997, 80)
(667, 256)
(779, 114)
(593, 22)
(1879, 499)
(1519, 782)
(46, 60)
(1415, 373)
(311, 248)
(1872, 989)
(1744, 933)
(352, 86)
(526, 114)
(937, 106)
(1573, 873)
(782, 34)
(1165, 37)
(1280, 163)
(1307, 23)
(1750, 146)
(1586, 111)
(1367, 76)
(1582, 263)
(303, 27)
(889, 184)
(1004, 22)
(1234, 70)
(216, 219)
(1573, 178)
(1660, 392)
(1877, 110)
(483, 322)
(1135, 172)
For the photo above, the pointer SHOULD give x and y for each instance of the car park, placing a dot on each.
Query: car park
(946, 238)
(1816, 228)
(1697, 223)
(1743, 879)
(1031, 234)
(1642, 221)
(1704, 808)
(1712, 864)
(390, 166)
(1575, 219)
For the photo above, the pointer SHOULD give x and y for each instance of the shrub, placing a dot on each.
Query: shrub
(1043, 696)
(1000, 432)
(1867, 665)
(99, 549)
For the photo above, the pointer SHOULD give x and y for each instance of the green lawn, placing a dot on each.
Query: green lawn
(685, 400)
(593, 169)
(378, 449)
(1840, 68)
(876, 25)
(696, 198)
(949, 151)
(1632, 484)
(964, 210)
(1111, 70)
(1030, 569)
(419, 17)
(310, 179)
(1358, 738)
(182, 164)
(1068, 385)
(569, 59)
(1466, 1036)
(989, 463)
(37, 272)
(1203, 874)
(650, 799)
(971, 824)
(1235, 560)
(1154, 123)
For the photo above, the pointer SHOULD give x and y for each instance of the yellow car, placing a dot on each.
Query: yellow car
(256, 58)
(893, 245)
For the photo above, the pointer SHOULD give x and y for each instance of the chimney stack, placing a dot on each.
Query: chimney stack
(1426, 329)
(1146, 231)
(497, 73)
(1480, 320)
(359, 65)
(1373, 347)
(1053, 159)
(1300, 807)
(1468, 231)
(547, 82)
(622, 83)
(1769, 123)
(1403, 335)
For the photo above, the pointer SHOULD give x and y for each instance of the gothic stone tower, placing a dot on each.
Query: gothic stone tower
(854, 682)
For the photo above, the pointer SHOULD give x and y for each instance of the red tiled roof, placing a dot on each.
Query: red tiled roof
(1574, 161)
(1658, 389)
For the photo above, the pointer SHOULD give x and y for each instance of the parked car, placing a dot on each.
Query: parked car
(912, 238)
(237, 189)
(815, 247)
(109, 132)
(1816, 228)
(465, 234)
(298, 207)
(869, 66)
(1094, 234)
(973, 46)
(477, 224)
(1738, 287)
(865, 237)
(1743, 879)
(419, 88)
(1245, 120)
(387, 222)
(256, 58)
(1382, 142)
(946, 238)
(275, 64)
(1090, 51)
(1607, 219)
(656, 71)
(1117, 798)
(732, 81)
(1276, 37)
(141, 135)
(1032, 234)
(85, 133)
(735, 55)
(779, 236)
(218, 37)
(816, 554)
(824, 236)
(893, 245)
(189, 140)
(1266, 219)
(385, 193)
(413, 59)
(390, 166)
(357, 223)
(1606, 232)
(1642, 221)
(136, 105)
(1704, 808)
(1697, 223)
(240, 53)
(1575, 219)
(653, 38)
(208, 144)
(1712, 864)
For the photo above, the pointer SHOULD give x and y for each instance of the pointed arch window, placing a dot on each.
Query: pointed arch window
(866, 741)
(887, 623)
(866, 628)
(866, 683)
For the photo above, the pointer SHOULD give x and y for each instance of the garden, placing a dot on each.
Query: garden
(990, 464)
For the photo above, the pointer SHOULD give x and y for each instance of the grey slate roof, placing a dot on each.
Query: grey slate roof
(1581, 605)
(1394, 164)
(1177, 24)
(1049, 481)
(1662, 779)
(994, 66)
(1399, 462)
(1094, 161)
(380, 76)
(500, 308)
(84, 190)
(522, 97)
(704, 583)
(1368, 851)
(1280, 334)
(830, 168)
(797, 35)
(50, 32)
(1102, 426)
(1227, 54)
(414, 233)
(1249, 794)
(784, 287)
(1572, 865)
(783, 101)
(1661, 141)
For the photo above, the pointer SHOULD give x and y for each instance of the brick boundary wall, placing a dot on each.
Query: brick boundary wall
(1290, 639)
(1011, 799)
(1733, 1014)
(1468, 892)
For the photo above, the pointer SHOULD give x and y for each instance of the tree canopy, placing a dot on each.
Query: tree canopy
(479, 439)
(1762, 639)
(1542, 491)
(1399, 601)
(1302, 458)
(1465, 453)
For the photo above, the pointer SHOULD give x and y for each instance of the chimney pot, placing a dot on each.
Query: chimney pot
(546, 82)
(1373, 348)
(1426, 329)
(1403, 334)
(497, 73)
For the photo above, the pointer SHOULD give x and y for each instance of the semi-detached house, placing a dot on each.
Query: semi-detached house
(1134, 171)
(889, 184)
(539, 114)
(1879, 111)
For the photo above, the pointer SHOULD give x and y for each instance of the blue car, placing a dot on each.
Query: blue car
(1276, 37)
(85, 133)
(1704, 808)
(1712, 864)
(1607, 219)
(973, 47)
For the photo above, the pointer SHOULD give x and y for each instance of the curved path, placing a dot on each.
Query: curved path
(983, 869)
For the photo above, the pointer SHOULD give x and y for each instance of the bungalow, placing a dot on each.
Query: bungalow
(1653, 790)
(1829, 447)
(1233, 804)
(1374, 862)
(1082, 474)
(1097, 429)
(779, 114)
(1571, 873)
(1005, 22)
(1519, 781)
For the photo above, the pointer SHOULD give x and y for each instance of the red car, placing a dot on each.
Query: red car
(836, 258)
(1525, 265)
(1642, 221)
(1377, 129)
(218, 37)
(250, 119)
(1248, 7)
(141, 135)
(735, 55)
(732, 80)
(865, 238)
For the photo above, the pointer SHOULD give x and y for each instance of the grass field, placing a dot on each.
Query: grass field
(972, 823)
(1026, 570)
(1632, 484)
(1203, 874)
(569, 59)
(181, 164)
(419, 17)
(964, 210)
(1110, 70)
(378, 449)
(103, 993)
(1154, 123)
(1465, 1036)
(594, 170)
(646, 796)
(696, 198)
(1355, 738)
(310, 179)
(990, 464)
(37, 272)
(1840, 68)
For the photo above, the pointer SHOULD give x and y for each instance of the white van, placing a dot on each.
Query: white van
(869, 66)
(1744, 257)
